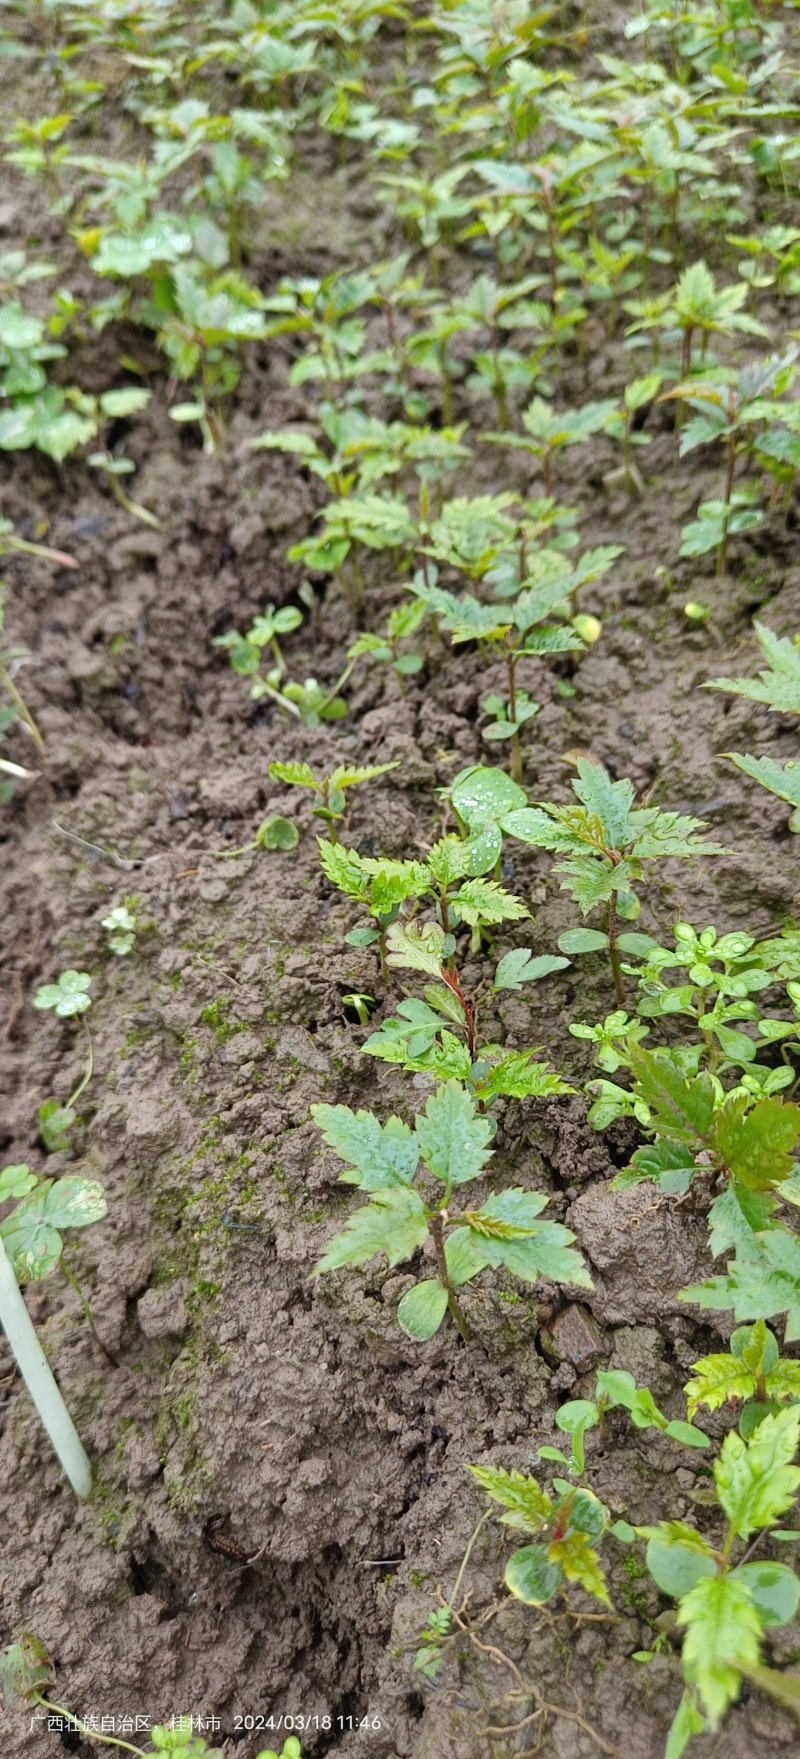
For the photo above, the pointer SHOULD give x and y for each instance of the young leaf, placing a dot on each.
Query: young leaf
(380, 1155)
(722, 1628)
(520, 967)
(755, 1480)
(418, 946)
(422, 1309)
(757, 1146)
(394, 1223)
(759, 1286)
(529, 1575)
(452, 1137)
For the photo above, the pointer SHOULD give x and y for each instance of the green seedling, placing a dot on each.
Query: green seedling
(401, 625)
(244, 651)
(778, 686)
(67, 996)
(603, 843)
(517, 630)
(637, 397)
(440, 1033)
(361, 1004)
(115, 406)
(728, 408)
(449, 1145)
(212, 318)
(724, 1602)
(67, 999)
(291, 1749)
(330, 789)
(615, 1390)
(27, 1674)
(752, 1373)
(120, 926)
(723, 975)
(568, 1529)
(696, 306)
(30, 1245)
(437, 1635)
(547, 433)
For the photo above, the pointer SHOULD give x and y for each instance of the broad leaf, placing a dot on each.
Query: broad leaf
(722, 1627)
(760, 1286)
(395, 1223)
(380, 1155)
(453, 1139)
(757, 1146)
(520, 967)
(422, 1309)
(755, 1480)
(530, 1576)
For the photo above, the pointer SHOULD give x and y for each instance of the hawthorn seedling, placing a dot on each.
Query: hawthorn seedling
(752, 1373)
(567, 1530)
(395, 1165)
(778, 685)
(330, 789)
(603, 843)
(724, 1604)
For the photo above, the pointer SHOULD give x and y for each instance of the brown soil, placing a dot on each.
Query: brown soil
(336, 1447)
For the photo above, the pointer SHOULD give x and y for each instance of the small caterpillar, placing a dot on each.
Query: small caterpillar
(216, 1541)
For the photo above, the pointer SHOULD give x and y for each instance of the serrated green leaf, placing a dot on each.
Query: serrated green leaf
(417, 946)
(755, 1480)
(681, 1108)
(344, 869)
(757, 1146)
(394, 1223)
(484, 901)
(759, 1286)
(381, 1155)
(453, 1139)
(526, 1504)
(722, 1627)
(297, 775)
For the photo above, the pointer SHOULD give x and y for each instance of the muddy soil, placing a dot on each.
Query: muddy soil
(297, 1408)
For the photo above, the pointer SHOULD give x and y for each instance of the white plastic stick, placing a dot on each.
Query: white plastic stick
(37, 1374)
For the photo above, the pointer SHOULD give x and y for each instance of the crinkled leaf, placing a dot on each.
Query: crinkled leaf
(453, 1138)
(417, 945)
(526, 1504)
(722, 1626)
(380, 1155)
(395, 1223)
(759, 1286)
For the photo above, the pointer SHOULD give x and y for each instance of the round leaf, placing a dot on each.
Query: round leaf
(530, 1577)
(422, 1309)
(775, 1590)
(277, 833)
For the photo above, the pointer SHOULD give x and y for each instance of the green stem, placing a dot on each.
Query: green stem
(87, 1311)
(23, 712)
(613, 952)
(437, 1222)
(87, 1073)
(92, 1734)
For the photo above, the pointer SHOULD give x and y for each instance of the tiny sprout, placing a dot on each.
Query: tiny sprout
(120, 926)
(694, 612)
(277, 833)
(361, 1004)
(66, 997)
(331, 789)
(291, 1749)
